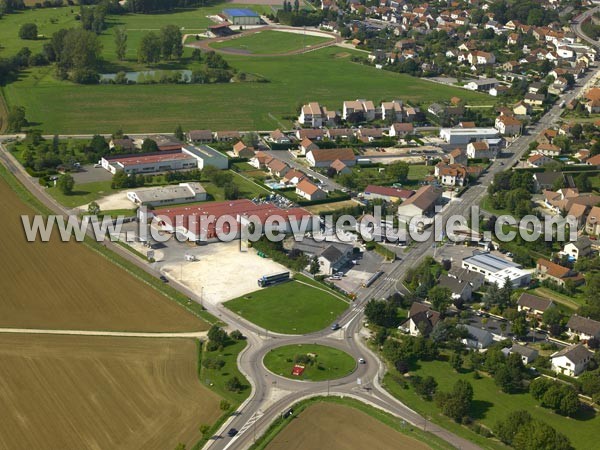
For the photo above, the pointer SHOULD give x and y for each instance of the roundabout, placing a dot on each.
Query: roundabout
(309, 362)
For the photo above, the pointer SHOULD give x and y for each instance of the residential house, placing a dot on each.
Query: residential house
(579, 248)
(126, 145)
(314, 134)
(592, 224)
(461, 289)
(451, 174)
(479, 150)
(534, 99)
(393, 111)
(324, 157)
(547, 150)
(508, 126)
(571, 360)
(313, 115)
(545, 180)
(527, 354)
(401, 129)
(200, 136)
(538, 160)
(593, 161)
(241, 150)
(521, 109)
(309, 190)
(478, 57)
(482, 84)
(583, 328)
(475, 280)
(359, 107)
(457, 156)
(533, 305)
(421, 203)
(370, 134)
(293, 177)
(340, 168)
(260, 160)
(421, 319)
(226, 136)
(332, 256)
(477, 338)
(306, 145)
(277, 167)
(277, 137)
(547, 270)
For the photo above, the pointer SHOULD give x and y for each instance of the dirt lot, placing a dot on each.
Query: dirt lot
(67, 286)
(64, 392)
(213, 271)
(328, 207)
(326, 425)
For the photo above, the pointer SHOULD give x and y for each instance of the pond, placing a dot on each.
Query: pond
(147, 76)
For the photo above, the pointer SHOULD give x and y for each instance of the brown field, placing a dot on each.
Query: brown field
(66, 392)
(328, 207)
(330, 426)
(59, 285)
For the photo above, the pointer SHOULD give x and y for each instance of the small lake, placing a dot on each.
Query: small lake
(146, 76)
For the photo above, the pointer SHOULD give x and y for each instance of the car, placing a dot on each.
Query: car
(164, 279)
(335, 326)
(361, 361)
(232, 432)
(97, 166)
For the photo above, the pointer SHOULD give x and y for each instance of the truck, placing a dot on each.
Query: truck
(268, 280)
(372, 279)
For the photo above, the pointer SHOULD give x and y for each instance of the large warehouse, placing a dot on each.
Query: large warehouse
(496, 269)
(462, 136)
(241, 16)
(207, 222)
(150, 162)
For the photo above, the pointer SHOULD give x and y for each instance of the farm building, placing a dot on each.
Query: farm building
(241, 16)
(165, 195)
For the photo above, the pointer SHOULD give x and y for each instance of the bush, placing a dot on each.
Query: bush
(28, 31)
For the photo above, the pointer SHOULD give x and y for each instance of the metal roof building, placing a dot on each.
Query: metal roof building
(496, 269)
(241, 16)
(462, 136)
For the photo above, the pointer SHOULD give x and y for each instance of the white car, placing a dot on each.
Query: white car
(361, 361)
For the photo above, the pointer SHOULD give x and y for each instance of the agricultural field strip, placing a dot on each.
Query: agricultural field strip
(194, 334)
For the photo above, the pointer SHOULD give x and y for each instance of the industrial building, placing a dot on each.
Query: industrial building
(207, 156)
(462, 136)
(211, 222)
(150, 162)
(168, 195)
(241, 16)
(496, 269)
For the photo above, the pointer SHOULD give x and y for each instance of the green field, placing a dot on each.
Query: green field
(270, 42)
(327, 75)
(289, 308)
(329, 363)
(491, 404)
(82, 193)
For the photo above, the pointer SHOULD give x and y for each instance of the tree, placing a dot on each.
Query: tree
(16, 120)
(65, 184)
(93, 209)
(457, 403)
(399, 170)
(179, 133)
(234, 384)
(381, 313)
(236, 335)
(28, 31)
(224, 405)
(492, 296)
(171, 42)
(217, 335)
(507, 429)
(553, 319)
(425, 387)
(149, 146)
(519, 326)
(79, 55)
(121, 43)
(315, 266)
(231, 191)
(537, 435)
(539, 386)
(440, 298)
(149, 49)
(456, 361)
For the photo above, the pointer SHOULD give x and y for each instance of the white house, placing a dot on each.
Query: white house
(479, 150)
(581, 247)
(538, 160)
(583, 328)
(571, 360)
(309, 190)
(477, 338)
(508, 126)
(421, 319)
(366, 107)
(324, 157)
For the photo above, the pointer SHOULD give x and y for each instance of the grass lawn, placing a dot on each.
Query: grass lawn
(289, 308)
(570, 302)
(328, 364)
(270, 42)
(485, 205)
(82, 193)
(418, 171)
(490, 404)
(326, 75)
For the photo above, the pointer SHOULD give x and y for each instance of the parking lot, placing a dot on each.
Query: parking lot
(91, 174)
(354, 276)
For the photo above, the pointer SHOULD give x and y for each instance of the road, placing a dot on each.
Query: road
(271, 394)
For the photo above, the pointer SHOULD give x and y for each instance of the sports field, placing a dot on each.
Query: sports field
(289, 308)
(269, 42)
(59, 285)
(331, 426)
(67, 392)
(327, 363)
